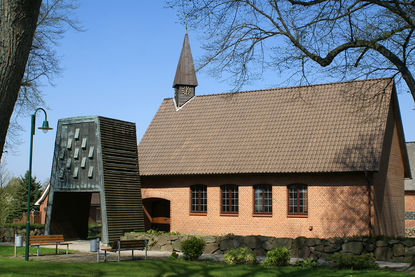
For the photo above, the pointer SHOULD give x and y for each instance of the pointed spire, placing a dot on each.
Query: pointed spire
(185, 72)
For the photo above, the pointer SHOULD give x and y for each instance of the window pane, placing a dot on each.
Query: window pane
(199, 198)
(258, 200)
(229, 198)
(297, 203)
(235, 196)
(203, 199)
(293, 200)
(263, 199)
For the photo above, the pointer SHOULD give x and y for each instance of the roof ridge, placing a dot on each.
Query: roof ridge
(289, 87)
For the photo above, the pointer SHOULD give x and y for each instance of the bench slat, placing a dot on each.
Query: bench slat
(128, 244)
(47, 236)
(46, 239)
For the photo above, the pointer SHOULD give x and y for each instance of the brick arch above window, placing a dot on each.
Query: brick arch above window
(150, 193)
(297, 200)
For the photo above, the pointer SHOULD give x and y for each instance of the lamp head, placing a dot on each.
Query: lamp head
(45, 127)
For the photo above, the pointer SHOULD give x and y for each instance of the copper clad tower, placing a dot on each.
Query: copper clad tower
(95, 154)
(185, 80)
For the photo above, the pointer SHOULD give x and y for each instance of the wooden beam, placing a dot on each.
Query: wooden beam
(161, 220)
(147, 214)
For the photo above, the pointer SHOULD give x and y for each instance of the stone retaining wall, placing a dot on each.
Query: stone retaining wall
(396, 250)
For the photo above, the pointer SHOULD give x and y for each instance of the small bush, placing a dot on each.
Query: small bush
(277, 257)
(366, 261)
(307, 263)
(240, 256)
(174, 255)
(193, 247)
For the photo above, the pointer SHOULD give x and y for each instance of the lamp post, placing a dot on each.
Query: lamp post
(45, 127)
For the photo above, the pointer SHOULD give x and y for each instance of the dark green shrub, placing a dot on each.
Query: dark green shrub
(307, 263)
(277, 257)
(193, 247)
(174, 256)
(241, 255)
(23, 226)
(365, 261)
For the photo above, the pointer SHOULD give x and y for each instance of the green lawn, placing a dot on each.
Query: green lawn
(7, 251)
(165, 268)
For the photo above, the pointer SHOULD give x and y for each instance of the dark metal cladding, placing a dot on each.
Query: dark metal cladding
(185, 73)
(121, 180)
(94, 154)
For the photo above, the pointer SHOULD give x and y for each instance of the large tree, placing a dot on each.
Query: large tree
(34, 56)
(17, 27)
(348, 38)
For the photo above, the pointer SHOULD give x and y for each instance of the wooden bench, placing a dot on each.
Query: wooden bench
(48, 240)
(124, 245)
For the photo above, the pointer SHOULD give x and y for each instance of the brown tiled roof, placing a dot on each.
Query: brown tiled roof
(320, 128)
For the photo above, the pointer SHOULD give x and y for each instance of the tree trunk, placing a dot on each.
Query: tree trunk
(17, 27)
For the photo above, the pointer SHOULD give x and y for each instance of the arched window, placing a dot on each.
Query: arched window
(229, 203)
(262, 199)
(198, 196)
(297, 200)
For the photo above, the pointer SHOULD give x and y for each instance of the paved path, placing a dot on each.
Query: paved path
(83, 255)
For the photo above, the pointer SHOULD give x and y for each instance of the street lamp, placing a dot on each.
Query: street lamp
(45, 127)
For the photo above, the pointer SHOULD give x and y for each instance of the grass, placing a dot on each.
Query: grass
(8, 251)
(10, 266)
(170, 268)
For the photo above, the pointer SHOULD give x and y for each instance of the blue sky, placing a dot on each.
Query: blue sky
(122, 67)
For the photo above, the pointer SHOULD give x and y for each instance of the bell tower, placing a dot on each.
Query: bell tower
(185, 80)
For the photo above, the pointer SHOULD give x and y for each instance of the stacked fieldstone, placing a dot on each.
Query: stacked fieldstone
(384, 249)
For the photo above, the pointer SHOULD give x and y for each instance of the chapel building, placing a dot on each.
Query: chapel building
(323, 160)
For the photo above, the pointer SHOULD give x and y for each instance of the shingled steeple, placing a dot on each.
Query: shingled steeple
(185, 80)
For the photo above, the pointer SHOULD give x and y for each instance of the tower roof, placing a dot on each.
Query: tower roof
(185, 72)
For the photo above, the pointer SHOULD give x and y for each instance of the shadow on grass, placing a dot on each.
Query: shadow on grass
(168, 268)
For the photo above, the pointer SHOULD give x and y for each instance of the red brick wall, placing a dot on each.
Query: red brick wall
(42, 210)
(410, 201)
(395, 183)
(389, 186)
(335, 208)
(410, 207)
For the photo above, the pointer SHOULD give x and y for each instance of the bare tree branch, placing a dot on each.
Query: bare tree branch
(374, 37)
(55, 17)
